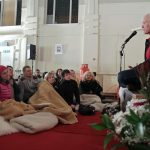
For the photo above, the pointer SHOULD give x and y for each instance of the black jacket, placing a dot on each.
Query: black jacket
(16, 90)
(68, 89)
(90, 87)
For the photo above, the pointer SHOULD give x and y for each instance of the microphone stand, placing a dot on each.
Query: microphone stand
(122, 49)
(121, 55)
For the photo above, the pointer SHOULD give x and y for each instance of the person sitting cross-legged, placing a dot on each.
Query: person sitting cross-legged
(89, 85)
(51, 79)
(68, 89)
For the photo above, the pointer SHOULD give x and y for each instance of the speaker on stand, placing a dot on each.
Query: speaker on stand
(31, 53)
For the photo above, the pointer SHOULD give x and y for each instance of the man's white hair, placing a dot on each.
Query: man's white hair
(147, 16)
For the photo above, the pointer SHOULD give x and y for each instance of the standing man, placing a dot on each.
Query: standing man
(130, 77)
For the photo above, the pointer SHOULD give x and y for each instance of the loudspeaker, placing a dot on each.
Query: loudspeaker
(31, 52)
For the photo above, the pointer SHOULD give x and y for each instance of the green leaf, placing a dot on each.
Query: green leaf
(107, 139)
(116, 146)
(133, 118)
(134, 115)
(99, 126)
(145, 118)
(108, 123)
(130, 119)
(140, 129)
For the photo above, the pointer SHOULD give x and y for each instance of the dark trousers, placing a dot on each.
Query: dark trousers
(129, 78)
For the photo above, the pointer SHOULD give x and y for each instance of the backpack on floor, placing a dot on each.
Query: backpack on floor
(86, 110)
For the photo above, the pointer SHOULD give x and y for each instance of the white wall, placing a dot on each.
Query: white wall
(117, 20)
(96, 39)
(69, 35)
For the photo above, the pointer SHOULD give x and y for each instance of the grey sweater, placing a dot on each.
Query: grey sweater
(27, 88)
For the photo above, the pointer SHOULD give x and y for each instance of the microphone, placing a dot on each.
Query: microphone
(132, 34)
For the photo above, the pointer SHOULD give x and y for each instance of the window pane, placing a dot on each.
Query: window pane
(62, 11)
(74, 17)
(18, 15)
(50, 11)
(0, 11)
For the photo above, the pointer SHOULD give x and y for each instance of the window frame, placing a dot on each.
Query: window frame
(1, 14)
(54, 9)
(17, 13)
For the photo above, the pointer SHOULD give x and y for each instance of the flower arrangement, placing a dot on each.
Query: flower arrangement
(131, 127)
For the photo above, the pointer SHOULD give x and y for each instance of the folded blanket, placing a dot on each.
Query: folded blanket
(33, 123)
(92, 100)
(10, 109)
(48, 100)
(6, 127)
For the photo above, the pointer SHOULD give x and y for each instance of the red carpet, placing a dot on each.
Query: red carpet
(79, 136)
(82, 127)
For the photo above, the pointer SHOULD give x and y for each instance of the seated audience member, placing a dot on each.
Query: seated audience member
(47, 99)
(94, 73)
(58, 76)
(89, 85)
(19, 77)
(38, 74)
(53, 72)
(73, 76)
(68, 89)
(130, 77)
(51, 79)
(5, 87)
(44, 73)
(15, 87)
(27, 84)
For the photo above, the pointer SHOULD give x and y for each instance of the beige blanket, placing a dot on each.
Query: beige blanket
(33, 123)
(10, 109)
(55, 103)
(92, 100)
(95, 101)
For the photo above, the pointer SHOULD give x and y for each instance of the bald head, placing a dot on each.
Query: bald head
(146, 24)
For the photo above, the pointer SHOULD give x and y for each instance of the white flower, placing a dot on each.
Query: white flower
(120, 122)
